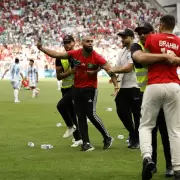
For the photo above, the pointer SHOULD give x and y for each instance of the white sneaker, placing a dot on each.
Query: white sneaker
(17, 101)
(69, 132)
(73, 140)
(77, 143)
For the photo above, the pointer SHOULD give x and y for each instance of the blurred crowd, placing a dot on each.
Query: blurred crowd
(23, 21)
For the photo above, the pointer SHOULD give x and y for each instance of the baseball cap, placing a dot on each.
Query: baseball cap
(144, 26)
(126, 32)
(68, 38)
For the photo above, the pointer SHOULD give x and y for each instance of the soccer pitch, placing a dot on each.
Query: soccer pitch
(34, 120)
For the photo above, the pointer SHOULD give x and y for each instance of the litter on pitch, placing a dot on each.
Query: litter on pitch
(109, 109)
(58, 124)
(46, 146)
(30, 144)
(120, 136)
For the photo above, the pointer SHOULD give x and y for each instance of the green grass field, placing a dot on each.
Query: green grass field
(35, 120)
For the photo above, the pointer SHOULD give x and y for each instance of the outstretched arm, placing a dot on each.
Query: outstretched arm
(52, 53)
(125, 69)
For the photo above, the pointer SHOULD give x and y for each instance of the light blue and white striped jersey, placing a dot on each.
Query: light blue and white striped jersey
(15, 72)
(32, 70)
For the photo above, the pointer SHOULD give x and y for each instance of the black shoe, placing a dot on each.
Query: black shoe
(127, 140)
(169, 172)
(135, 145)
(148, 167)
(130, 143)
(108, 142)
(176, 175)
(87, 147)
(154, 171)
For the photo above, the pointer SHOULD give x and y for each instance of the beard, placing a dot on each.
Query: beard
(88, 49)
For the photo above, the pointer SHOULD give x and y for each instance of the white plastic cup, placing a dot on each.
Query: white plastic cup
(58, 124)
(109, 109)
(30, 144)
(120, 136)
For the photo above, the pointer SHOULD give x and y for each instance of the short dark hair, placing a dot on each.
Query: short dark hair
(16, 60)
(169, 21)
(31, 60)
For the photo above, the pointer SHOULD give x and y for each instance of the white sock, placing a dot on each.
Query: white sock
(16, 91)
(147, 155)
(33, 93)
(59, 84)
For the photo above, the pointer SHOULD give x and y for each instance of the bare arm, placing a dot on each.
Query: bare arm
(37, 77)
(62, 75)
(174, 61)
(107, 68)
(52, 53)
(5, 73)
(28, 74)
(148, 58)
(22, 76)
(93, 72)
(125, 69)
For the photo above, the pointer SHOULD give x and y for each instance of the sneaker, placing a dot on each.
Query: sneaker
(127, 140)
(17, 101)
(69, 132)
(77, 143)
(169, 172)
(73, 140)
(87, 147)
(108, 142)
(135, 145)
(154, 171)
(129, 144)
(176, 175)
(148, 167)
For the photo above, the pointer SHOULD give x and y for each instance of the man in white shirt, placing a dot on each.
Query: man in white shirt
(33, 78)
(128, 97)
(15, 78)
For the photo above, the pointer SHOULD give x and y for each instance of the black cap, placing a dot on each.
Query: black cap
(68, 38)
(126, 32)
(16, 60)
(144, 26)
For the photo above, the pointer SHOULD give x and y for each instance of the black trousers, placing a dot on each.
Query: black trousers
(85, 106)
(128, 103)
(161, 125)
(66, 109)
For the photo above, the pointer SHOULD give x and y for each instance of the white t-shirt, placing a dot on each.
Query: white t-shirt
(32, 70)
(15, 71)
(128, 79)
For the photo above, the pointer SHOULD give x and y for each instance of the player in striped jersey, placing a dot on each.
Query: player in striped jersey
(33, 78)
(15, 78)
